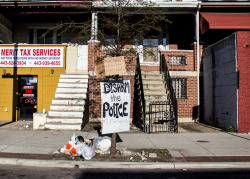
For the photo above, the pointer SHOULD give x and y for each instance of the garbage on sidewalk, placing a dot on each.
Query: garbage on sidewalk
(79, 146)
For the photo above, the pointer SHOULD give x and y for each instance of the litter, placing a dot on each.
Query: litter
(79, 146)
(132, 159)
(88, 153)
(26, 126)
(102, 144)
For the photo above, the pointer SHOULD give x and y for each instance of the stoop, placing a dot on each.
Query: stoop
(67, 108)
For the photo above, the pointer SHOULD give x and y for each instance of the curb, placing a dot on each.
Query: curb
(122, 165)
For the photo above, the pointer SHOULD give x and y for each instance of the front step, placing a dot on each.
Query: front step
(68, 80)
(153, 82)
(72, 85)
(71, 120)
(74, 107)
(71, 90)
(74, 76)
(64, 126)
(65, 113)
(163, 97)
(153, 92)
(70, 95)
(68, 101)
(153, 86)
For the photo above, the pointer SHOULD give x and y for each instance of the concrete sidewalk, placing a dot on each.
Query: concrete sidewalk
(23, 140)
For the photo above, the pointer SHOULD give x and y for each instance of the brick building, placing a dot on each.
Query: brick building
(22, 24)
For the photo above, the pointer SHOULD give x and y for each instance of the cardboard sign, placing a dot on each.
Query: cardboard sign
(111, 66)
(116, 97)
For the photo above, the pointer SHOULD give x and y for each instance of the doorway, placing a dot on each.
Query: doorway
(150, 50)
(27, 97)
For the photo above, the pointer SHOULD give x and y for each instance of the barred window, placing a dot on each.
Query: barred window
(177, 60)
(179, 86)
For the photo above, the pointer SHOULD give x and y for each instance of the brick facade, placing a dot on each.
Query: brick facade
(243, 54)
(130, 66)
(186, 107)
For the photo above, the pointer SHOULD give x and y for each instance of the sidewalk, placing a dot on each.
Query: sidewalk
(23, 146)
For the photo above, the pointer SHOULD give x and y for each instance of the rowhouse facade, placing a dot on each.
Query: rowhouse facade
(34, 88)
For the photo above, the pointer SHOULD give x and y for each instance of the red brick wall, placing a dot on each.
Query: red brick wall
(186, 106)
(243, 56)
(130, 66)
(189, 61)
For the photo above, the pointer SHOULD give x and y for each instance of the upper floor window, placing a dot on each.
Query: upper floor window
(177, 60)
(43, 36)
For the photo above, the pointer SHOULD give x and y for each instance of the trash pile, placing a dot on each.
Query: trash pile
(78, 146)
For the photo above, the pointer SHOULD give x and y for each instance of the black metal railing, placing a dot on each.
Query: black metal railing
(139, 101)
(167, 79)
(163, 117)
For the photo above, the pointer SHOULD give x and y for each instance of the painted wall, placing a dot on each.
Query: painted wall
(47, 83)
(221, 83)
(243, 55)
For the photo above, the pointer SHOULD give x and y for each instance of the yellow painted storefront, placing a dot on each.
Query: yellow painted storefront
(47, 80)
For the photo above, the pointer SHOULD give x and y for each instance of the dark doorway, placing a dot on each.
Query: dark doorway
(27, 97)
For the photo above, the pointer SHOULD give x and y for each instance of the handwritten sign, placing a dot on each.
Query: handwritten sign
(111, 66)
(31, 56)
(116, 97)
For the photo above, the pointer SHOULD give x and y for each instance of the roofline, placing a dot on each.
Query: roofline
(226, 4)
(159, 5)
(43, 3)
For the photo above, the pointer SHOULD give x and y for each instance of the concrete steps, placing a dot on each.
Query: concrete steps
(67, 108)
(71, 120)
(154, 91)
(68, 101)
(64, 126)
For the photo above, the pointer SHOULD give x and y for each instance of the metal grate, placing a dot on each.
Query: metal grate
(177, 60)
(179, 86)
(162, 117)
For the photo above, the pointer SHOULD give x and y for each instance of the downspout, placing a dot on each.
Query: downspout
(94, 40)
(198, 59)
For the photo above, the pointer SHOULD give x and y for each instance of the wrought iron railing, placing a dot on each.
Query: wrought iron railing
(139, 101)
(163, 117)
(167, 79)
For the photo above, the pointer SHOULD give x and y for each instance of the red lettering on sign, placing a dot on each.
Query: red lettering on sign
(28, 91)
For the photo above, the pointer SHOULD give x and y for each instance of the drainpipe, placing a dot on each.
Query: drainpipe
(198, 60)
(93, 40)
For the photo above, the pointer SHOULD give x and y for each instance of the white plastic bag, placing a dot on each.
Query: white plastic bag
(80, 148)
(88, 153)
(102, 144)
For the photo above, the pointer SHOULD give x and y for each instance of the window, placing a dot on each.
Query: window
(35, 37)
(177, 60)
(179, 86)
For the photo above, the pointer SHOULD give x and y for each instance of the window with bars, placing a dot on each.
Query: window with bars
(177, 60)
(179, 86)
